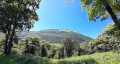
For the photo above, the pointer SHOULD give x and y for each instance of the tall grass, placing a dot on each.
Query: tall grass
(16, 59)
(97, 58)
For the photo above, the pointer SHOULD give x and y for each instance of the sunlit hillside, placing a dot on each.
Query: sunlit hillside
(56, 35)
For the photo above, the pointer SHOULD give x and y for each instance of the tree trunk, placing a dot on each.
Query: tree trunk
(10, 45)
(112, 14)
(6, 42)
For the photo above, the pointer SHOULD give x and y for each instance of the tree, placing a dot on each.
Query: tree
(110, 30)
(69, 46)
(32, 45)
(102, 9)
(43, 51)
(59, 53)
(108, 40)
(15, 16)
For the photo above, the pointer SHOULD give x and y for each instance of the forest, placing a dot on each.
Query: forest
(19, 45)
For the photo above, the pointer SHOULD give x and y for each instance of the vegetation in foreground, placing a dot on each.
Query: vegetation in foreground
(97, 58)
(19, 59)
(33, 50)
(19, 15)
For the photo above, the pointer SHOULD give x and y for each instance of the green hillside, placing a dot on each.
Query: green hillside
(56, 36)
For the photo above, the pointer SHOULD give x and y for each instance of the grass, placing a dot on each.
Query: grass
(97, 58)
(17, 59)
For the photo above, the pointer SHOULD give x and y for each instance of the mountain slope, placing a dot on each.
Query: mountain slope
(56, 36)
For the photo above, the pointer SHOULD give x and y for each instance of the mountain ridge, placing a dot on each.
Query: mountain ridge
(56, 35)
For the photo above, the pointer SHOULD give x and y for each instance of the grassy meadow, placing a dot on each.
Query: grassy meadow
(97, 58)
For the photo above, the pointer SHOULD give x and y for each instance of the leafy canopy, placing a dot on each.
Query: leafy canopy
(96, 8)
(15, 16)
(18, 12)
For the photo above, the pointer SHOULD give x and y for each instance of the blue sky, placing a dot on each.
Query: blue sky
(54, 14)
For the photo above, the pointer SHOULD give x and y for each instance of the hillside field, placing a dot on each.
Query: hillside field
(97, 58)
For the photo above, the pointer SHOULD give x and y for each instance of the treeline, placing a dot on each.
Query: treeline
(33, 45)
(108, 40)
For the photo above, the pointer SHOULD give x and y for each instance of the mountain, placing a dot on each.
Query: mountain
(56, 35)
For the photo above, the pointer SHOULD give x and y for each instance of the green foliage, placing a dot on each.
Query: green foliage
(101, 44)
(69, 46)
(20, 12)
(108, 40)
(16, 59)
(59, 53)
(53, 50)
(102, 9)
(16, 51)
(82, 50)
(32, 45)
(96, 8)
(16, 16)
(110, 30)
(97, 58)
(105, 44)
